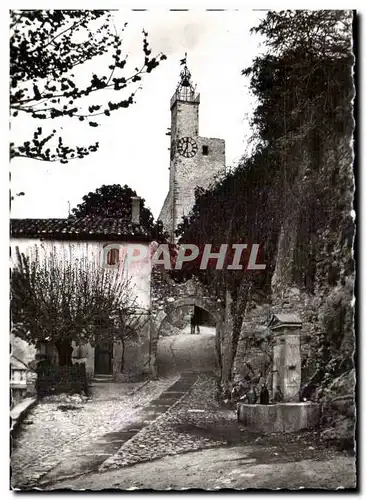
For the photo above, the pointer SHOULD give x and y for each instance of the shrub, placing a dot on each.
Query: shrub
(61, 379)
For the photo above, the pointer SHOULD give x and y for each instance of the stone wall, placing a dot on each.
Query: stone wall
(185, 118)
(166, 213)
(168, 295)
(321, 290)
(188, 173)
(314, 276)
(253, 356)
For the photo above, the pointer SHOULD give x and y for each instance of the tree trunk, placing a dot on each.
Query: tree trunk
(122, 354)
(64, 349)
(218, 340)
(226, 340)
(239, 309)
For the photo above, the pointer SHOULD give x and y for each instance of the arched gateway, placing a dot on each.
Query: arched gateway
(215, 309)
(169, 297)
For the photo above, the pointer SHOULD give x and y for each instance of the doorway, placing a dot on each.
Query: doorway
(103, 358)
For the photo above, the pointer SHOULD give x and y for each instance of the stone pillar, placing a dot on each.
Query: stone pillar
(286, 355)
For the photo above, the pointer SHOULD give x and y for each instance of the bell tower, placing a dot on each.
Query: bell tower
(194, 160)
(184, 107)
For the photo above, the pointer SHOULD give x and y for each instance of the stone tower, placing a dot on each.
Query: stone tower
(194, 160)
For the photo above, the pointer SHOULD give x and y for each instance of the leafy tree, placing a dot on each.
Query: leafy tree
(46, 49)
(303, 86)
(114, 201)
(58, 299)
(303, 78)
(239, 208)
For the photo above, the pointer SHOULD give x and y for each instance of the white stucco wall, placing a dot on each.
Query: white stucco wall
(139, 273)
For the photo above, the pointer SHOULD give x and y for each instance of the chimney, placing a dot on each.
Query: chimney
(136, 201)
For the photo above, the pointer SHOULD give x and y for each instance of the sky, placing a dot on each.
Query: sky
(133, 142)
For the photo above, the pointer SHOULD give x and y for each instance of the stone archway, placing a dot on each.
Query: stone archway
(214, 308)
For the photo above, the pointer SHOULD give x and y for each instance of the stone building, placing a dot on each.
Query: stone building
(194, 160)
(88, 237)
(18, 379)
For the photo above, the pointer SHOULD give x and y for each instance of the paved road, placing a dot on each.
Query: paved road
(186, 352)
(91, 456)
(55, 444)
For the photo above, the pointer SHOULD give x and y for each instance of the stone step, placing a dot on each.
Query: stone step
(102, 378)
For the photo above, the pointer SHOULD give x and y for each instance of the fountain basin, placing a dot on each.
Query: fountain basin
(279, 417)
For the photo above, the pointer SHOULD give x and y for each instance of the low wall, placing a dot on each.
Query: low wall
(19, 412)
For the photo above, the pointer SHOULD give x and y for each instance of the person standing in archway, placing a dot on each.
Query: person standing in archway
(194, 322)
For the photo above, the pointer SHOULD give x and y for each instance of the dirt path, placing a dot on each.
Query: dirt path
(183, 352)
(222, 468)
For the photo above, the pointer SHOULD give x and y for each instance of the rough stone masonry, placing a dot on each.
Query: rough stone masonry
(194, 160)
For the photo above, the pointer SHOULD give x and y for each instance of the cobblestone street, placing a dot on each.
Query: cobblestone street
(126, 426)
(49, 435)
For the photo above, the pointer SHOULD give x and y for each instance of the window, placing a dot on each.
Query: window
(205, 150)
(113, 257)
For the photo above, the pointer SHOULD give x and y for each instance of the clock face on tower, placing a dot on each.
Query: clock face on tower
(187, 147)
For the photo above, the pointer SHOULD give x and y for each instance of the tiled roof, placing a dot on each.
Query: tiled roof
(84, 228)
(17, 363)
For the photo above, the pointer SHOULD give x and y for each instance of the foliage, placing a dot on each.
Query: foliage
(303, 87)
(46, 48)
(240, 208)
(61, 379)
(304, 82)
(55, 298)
(114, 201)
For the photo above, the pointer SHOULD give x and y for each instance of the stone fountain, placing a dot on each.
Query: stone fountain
(290, 415)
